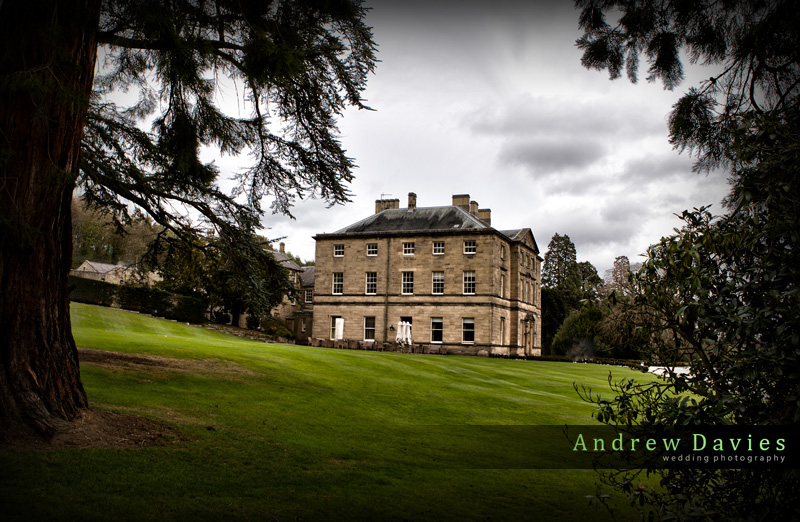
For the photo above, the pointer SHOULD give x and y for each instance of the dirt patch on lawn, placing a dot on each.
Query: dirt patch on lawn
(148, 362)
(106, 429)
(101, 429)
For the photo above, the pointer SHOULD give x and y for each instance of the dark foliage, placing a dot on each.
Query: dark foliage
(294, 67)
(752, 45)
(565, 283)
(89, 291)
(724, 291)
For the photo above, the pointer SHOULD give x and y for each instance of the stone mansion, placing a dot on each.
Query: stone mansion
(464, 286)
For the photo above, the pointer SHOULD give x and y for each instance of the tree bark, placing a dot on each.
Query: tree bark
(47, 58)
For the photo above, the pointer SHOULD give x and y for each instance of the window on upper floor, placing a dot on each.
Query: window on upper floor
(338, 283)
(438, 283)
(372, 283)
(470, 247)
(502, 251)
(408, 283)
(469, 282)
(309, 296)
(438, 248)
(372, 249)
(408, 248)
(338, 250)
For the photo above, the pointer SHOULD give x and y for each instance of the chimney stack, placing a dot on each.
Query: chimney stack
(473, 208)
(386, 204)
(283, 248)
(412, 201)
(485, 215)
(461, 201)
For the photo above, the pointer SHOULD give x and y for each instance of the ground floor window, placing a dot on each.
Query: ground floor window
(302, 325)
(334, 319)
(468, 330)
(502, 330)
(369, 328)
(437, 330)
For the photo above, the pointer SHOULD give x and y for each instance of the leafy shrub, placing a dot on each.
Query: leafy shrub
(186, 309)
(577, 336)
(221, 317)
(253, 322)
(275, 328)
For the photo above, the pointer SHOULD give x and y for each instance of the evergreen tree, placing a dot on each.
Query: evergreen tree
(565, 282)
(560, 268)
(589, 279)
(298, 64)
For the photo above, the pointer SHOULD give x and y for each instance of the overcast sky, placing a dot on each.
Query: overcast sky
(490, 99)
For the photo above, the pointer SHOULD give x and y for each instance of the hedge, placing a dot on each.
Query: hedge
(142, 299)
(91, 291)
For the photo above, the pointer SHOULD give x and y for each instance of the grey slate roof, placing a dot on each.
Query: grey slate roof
(419, 219)
(103, 268)
(513, 234)
(285, 261)
(308, 275)
(519, 235)
(448, 219)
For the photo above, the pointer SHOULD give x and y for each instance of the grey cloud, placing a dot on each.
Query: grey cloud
(623, 210)
(529, 115)
(589, 230)
(656, 167)
(551, 156)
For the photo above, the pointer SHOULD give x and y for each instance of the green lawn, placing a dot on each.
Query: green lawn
(277, 432)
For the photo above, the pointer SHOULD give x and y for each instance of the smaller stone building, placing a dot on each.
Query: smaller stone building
(301, 320)
(296, 313)
(115, 274)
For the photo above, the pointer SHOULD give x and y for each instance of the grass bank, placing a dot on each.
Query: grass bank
(277, 432)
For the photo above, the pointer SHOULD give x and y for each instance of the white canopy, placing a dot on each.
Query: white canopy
(403, 333)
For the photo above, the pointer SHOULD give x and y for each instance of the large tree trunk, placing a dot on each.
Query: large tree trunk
(47, 57)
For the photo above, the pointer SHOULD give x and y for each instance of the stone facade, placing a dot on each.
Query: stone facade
(301, 320)
(467, 288)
